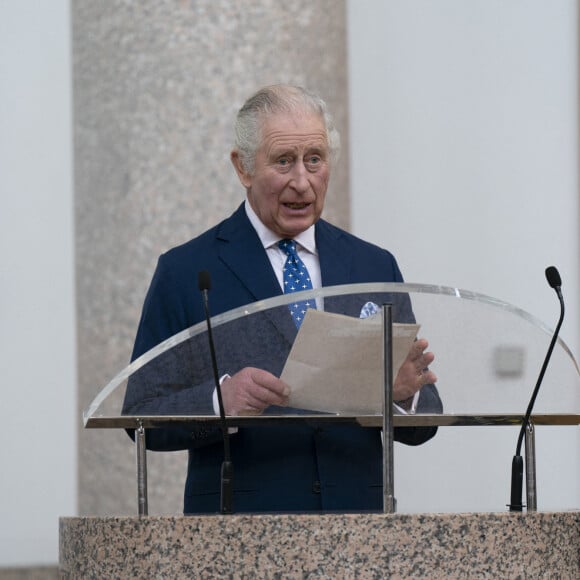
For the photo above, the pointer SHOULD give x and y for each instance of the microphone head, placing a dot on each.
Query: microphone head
(553, 277)
(204, 280)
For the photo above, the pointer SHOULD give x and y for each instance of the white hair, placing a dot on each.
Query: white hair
(274, 100)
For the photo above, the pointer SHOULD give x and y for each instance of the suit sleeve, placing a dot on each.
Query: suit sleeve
(164, 313)
(170, 384)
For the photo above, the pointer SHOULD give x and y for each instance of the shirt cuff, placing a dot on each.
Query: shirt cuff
(216, 403)
(408, 406)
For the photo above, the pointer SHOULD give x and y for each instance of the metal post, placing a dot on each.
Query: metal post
(530, 451)
(389, 501)
(141, 470)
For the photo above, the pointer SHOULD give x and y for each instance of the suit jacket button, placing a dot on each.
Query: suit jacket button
(316, 487)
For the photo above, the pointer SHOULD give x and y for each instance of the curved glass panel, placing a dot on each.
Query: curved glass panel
(488, 357)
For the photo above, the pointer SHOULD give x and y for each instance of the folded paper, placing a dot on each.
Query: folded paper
(336, 363)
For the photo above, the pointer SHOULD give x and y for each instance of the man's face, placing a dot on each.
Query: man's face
(291, 171)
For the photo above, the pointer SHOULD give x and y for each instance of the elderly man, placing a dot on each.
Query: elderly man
(285, 147)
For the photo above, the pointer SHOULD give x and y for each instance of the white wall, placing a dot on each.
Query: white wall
(37, 345)
(464, 140)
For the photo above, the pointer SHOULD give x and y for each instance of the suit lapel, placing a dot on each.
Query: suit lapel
(336, 269)
(335, 263)
(242, 252)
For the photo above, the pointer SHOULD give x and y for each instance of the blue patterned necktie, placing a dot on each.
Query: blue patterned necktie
(296, 278)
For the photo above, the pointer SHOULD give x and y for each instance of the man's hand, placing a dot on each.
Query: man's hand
(251, 390)
(414, 373)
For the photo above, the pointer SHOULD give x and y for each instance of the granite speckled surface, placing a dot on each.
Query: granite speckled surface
(156, 86)
(488, 545)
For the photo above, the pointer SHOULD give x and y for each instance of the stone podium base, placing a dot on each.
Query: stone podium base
(494, 545)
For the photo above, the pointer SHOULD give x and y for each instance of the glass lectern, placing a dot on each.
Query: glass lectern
(488, 356)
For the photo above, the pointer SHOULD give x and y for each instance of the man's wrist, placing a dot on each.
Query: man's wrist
(409, 405)
(406, 404)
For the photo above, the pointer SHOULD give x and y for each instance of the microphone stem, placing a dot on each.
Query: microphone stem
(224, 425)
(516, 504)
(227, 470)
(540, 377)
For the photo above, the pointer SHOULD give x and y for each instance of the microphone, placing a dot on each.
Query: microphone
(554, 280)
(227, 470)
(515, 505)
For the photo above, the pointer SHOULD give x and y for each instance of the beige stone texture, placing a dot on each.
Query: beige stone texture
(157, 84)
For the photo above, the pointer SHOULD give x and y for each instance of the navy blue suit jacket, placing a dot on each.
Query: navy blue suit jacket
(304, 467)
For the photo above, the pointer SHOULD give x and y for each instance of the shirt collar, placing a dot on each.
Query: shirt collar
(268, 238)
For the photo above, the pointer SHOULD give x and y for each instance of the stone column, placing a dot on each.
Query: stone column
(157, 84)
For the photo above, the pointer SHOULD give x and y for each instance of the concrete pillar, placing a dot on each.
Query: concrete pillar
(157, 84)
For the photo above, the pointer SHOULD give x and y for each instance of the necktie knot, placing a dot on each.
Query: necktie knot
(288, 246)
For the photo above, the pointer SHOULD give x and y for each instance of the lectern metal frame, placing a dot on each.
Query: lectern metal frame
(141, 424)
(389, 501)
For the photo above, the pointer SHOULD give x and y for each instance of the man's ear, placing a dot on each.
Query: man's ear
(243, 175)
